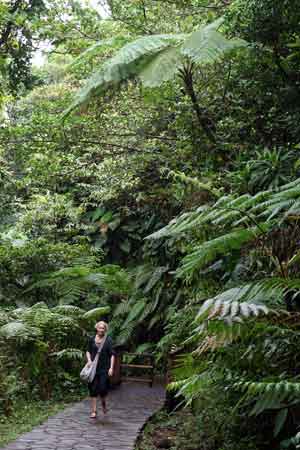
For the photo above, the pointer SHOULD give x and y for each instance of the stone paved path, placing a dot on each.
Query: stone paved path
(130, 405)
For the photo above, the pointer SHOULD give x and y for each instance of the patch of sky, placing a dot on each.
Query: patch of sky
(40, 55)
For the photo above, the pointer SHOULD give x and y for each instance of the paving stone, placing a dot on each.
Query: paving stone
(130, 406)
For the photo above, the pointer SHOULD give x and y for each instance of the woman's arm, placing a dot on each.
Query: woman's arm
(88, 353)
(112, 365)
(88, 357)
(112, 356)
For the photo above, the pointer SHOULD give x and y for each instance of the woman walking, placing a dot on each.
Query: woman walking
(105, 367)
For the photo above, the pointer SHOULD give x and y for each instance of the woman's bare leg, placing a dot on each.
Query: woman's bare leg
(93, 405)
(103, 402)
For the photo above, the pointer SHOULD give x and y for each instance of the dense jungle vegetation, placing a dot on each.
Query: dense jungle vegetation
(150, 176)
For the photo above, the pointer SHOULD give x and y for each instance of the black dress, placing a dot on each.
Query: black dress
(100, 384)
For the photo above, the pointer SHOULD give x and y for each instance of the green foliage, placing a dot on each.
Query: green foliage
(270, 395)
(50, 215)
(233, 211)
(94, 315)
(156, 59)
(24, 261)
(230, 310)
(219, 246)
(172, 212)
(18, 24)
(271, 169)
(45, 341)
(123, 65)
(269, 22)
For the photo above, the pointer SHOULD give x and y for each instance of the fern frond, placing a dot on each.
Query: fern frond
(125, 64)
(156, 59)
(68, 310)
(193, 387)
(96, 314)
(155, 277)
(136, 310)
(69, 354)
(269, 395)
(207, 45)
(231, 310)
(19, 331)
(65, 324)
(125, 334)
(220, 246)
(122, 308)
(95, 49)
(71, 291)
(162, 68)
(237, 211)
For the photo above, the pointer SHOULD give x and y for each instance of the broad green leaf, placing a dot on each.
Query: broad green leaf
(97, 213)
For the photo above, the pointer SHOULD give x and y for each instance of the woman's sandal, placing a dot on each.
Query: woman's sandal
(93, 415)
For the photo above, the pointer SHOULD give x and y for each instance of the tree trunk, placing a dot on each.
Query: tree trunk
(186, 74)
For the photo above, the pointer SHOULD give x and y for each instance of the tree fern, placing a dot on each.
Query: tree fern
(156, 59)
(125, 64)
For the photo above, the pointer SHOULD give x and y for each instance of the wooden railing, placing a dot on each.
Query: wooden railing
(138, 363)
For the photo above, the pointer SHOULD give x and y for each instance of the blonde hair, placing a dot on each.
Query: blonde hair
(102, 323)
